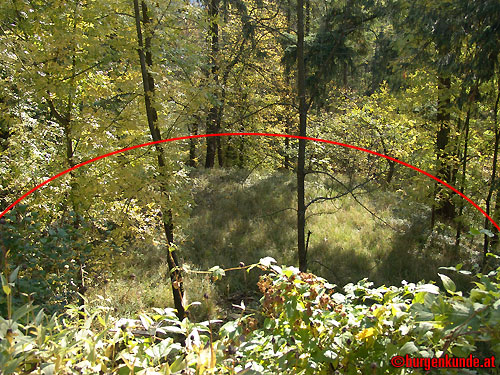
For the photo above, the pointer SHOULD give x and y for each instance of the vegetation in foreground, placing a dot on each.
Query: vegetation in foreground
(303, 325)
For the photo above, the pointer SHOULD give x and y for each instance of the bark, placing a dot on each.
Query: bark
(493, 176)
(241, 152)
(464, 170)
(301, 86)
(390, 172)
(287, 81)
(308, 17)
(220, 151)
(444, 208)
(192, 144)
(213, 114)
(145, 59)
(496, 218)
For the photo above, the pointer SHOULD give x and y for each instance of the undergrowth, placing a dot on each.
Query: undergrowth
(241, 216)
(303, 325)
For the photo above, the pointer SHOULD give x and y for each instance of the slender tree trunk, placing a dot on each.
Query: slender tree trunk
(192, 143)
(241, 148)
(496, 218)
(493, 176)
(287, 81)
(308, 17)
(464, 172)
(220, 148)
(64, 119)
(301, 86)
(444, 208)
(213, 114)
(145, 59)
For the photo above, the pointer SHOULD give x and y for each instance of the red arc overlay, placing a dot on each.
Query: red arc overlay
(257, 135)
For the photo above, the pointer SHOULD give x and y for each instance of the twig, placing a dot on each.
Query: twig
(351, 192)
(456, 332)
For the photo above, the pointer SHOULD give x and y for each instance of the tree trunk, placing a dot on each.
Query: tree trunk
(192, 143)
(213, 114)
(64, 120)
(146, 62)
(462, 183)
(241, 151)
(444, 208)
(288, 119)
(493, 176)
(220, 151)
(301, 86)
(308, 17)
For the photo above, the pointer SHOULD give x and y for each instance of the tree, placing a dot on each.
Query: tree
(146, 62)
(301, 93)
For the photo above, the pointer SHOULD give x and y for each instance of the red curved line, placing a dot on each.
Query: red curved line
(252, 134)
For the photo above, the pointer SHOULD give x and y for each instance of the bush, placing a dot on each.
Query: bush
(304, 326)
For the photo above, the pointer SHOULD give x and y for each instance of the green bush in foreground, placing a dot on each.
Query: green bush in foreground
(304, 326)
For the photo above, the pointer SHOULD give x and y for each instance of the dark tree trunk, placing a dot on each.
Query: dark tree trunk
(390, 172)
(146, 62)
(192, 144)
(301, 86)
(464, 171)
(213, 114)
(496, 218)
(444, 208)
(493, 176)
(220, 151)
(241, 152)
(308, 17)
(287, 81)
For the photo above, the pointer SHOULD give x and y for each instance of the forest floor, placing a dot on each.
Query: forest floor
(242, 216)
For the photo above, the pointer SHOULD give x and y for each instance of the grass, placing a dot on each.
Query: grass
(239, 216)
(141, 282)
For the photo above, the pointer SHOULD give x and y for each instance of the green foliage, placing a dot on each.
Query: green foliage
(308, 327)
(49, 259)
(304, 325)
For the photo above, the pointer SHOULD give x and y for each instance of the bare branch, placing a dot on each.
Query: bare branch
(349, 190)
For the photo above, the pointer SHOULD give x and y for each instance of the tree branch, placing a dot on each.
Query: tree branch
(349, 190)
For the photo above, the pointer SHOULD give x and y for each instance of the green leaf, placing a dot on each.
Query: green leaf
(146, 321)
(474, 232)
(39, 317)
(6, 289)
(22, 311)
(13, 275)
(429, 288)
(217, 272)
(48, 368)
(171, 329)
(178, 365)
(408, 348)
(448, 283)
(5, 285)
(160, 350)
(487, 233)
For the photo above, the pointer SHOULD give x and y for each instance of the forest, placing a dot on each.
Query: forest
(249, 187)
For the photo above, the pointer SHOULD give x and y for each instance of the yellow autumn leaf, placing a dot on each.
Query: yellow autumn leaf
(367, 332)
(379, 311)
